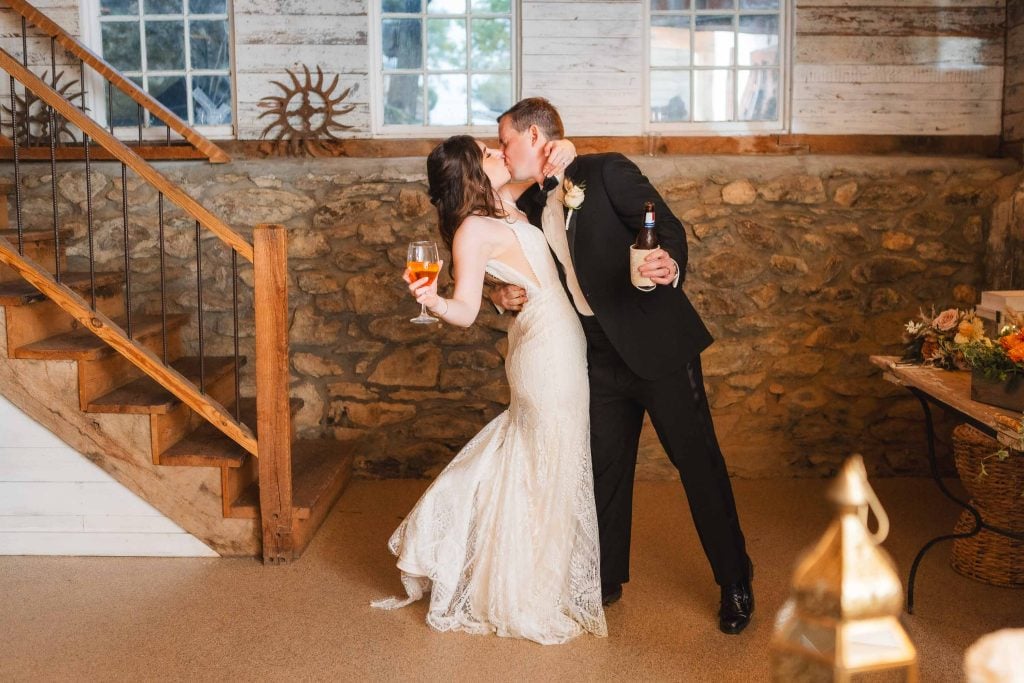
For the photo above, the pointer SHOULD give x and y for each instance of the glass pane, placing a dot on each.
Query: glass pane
(759, 4)
(211, 100)
(446, 100)
(401, 44)
(209, 44)
(446, 44)
(670, 40)
(670, 96)
(109, 8)
(165, 45)
(207, 6)
(170, 92)
(123, 109)
(162, 7)
(669, 4)
(492, 44)
(401, 6)
(492, 95)
(496, 6)
(714, 41)
(446, 6)
(121, 45)
(716, 4)
(758, 94)
(713, 95)
(758, 40)
(403, 100)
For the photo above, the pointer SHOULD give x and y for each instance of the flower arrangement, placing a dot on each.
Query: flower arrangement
(936, 339)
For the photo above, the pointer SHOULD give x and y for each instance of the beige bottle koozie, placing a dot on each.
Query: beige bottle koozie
(636, 257)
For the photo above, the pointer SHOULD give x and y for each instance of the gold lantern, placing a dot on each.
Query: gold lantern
(841, 620)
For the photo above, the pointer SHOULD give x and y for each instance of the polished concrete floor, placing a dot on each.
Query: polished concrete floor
(102, 619)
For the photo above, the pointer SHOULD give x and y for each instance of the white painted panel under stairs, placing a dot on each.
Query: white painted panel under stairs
(53, 501)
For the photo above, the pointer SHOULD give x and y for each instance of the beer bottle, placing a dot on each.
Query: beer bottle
(647, 238)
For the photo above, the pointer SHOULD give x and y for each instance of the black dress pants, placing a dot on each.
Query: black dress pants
(678, 406)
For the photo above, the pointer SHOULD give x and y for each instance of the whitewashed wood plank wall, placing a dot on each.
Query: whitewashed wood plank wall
(53, 501)
(931, 67)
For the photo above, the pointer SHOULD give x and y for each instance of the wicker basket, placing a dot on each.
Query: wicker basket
(989, 557)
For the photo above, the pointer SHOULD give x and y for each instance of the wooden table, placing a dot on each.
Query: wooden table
(951, 390)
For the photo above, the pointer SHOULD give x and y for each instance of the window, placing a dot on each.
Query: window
(176, 50)
(716, 63)
(444, 63)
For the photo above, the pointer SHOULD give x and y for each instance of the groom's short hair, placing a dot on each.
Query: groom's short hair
(536, 111)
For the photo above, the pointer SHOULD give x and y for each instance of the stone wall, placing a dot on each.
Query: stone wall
(801, 266)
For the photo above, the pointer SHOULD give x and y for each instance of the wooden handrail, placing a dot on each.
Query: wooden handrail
(273, 413)
(212, 152)
(125, 154)
(147, 361)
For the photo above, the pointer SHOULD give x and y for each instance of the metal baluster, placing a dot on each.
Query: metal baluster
(127, 250)
(17, 172)
(53, 191)
(110, 107)
(139, 118)
(199, 292)
(163, 279)
(24, 43)
(168, 136)
(89, 218)
(234, 304)
(81, 81)
(53, 78)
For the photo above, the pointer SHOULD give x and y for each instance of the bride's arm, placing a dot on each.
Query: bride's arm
(471, 249)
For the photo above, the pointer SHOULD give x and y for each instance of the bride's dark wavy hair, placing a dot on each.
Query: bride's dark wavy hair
(458, 186)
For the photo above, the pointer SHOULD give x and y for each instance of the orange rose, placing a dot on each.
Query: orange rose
(1016, 354)
(1011, 340)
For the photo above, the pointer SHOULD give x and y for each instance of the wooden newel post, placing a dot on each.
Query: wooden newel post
(273, 417)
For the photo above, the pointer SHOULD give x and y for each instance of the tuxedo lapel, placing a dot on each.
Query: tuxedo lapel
(570, 173)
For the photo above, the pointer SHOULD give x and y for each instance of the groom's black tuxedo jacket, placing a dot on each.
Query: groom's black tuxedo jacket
(654, 332)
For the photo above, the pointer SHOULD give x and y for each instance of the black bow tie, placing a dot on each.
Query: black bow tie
(539, 193)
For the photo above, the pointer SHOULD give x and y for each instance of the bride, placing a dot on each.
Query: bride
(505, 539)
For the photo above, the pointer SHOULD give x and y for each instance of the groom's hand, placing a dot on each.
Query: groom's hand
(509, 298)
(659, 267)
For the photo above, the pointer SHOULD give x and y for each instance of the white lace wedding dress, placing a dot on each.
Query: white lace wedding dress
(505, 539)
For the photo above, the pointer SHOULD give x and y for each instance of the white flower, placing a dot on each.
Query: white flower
(914, 327)
(574, 195)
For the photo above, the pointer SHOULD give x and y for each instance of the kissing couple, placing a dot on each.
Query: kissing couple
(526, 532)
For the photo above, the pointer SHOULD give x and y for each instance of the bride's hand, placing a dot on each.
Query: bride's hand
(560, 153)
(421, 291)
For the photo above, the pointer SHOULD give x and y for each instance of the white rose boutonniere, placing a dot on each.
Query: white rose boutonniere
(572, 198)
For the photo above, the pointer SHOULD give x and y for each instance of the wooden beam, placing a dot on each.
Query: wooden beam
(147, 361)
(774, 144)
(97, 153)
(42, 22)
(123, 153)
(273, 412)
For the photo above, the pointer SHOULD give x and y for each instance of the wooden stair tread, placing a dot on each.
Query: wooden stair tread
(83, 344)
(20, 293)
(317, 465)
(207, 446)
(146, 396)
(33, 235)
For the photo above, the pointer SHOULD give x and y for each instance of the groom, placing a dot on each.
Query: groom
(643, 348)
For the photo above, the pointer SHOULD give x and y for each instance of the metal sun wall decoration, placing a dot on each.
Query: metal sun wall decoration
(305, 117)
(33, 121)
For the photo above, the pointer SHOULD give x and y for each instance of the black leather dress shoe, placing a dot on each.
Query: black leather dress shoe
(736, 608)
(610, 592)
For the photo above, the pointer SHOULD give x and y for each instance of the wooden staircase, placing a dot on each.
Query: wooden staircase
(38, 335)
(172, 427)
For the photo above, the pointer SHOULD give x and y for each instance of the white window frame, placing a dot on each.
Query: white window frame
(425, 130)
(92, 37)
(782, 125)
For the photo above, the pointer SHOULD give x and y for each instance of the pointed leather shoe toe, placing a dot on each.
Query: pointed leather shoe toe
(736, 608)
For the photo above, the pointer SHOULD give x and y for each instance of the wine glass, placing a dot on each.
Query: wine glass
(423, 262)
